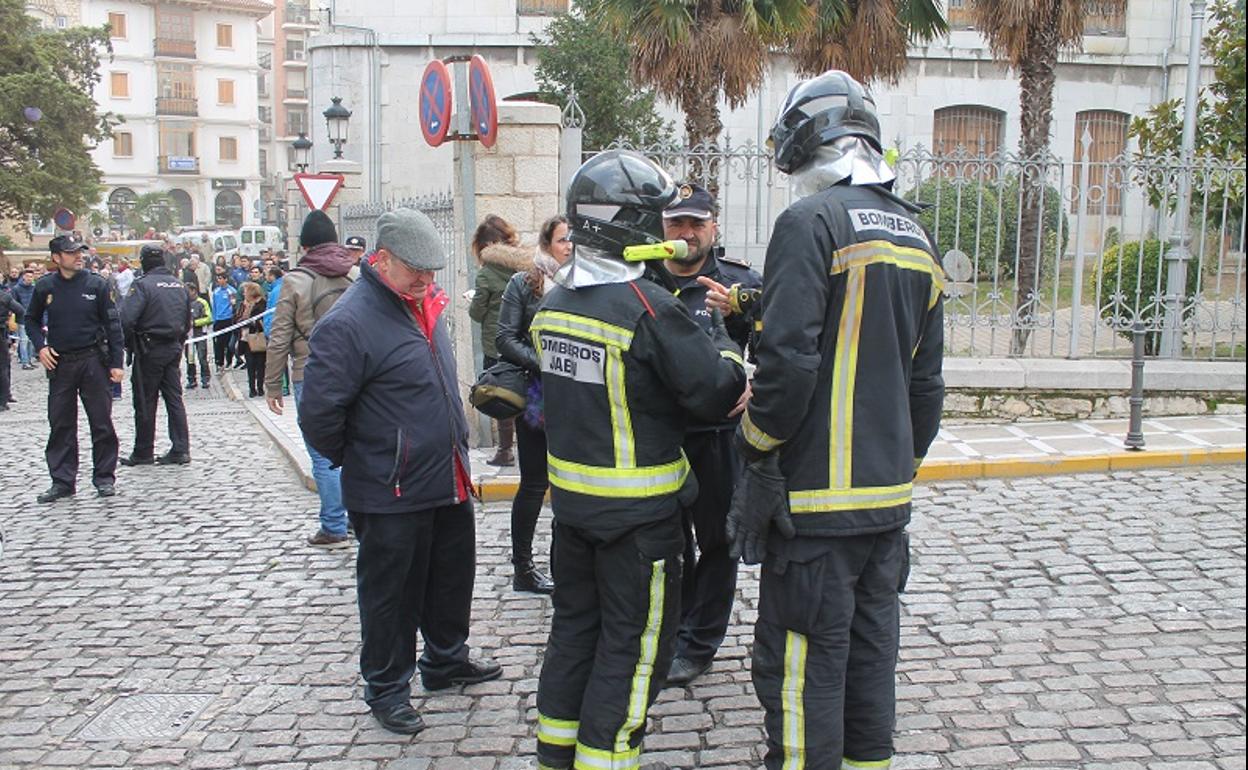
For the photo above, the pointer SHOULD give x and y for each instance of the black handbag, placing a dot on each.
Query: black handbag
(500, 391)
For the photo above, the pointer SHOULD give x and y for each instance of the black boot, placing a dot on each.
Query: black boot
(529, 579)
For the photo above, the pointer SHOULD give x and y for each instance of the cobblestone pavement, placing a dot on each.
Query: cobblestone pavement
(1093, 622)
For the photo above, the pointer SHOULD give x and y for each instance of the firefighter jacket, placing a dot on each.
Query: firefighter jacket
(623, 368)
(848, 386)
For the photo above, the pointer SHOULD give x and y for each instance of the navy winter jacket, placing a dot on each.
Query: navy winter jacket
(381, 399)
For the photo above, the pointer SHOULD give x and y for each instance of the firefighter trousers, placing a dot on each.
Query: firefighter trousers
(616, 611)
(825, 650)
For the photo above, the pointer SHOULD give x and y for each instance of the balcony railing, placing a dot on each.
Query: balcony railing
(177, 164)
(166, 46)
(175, 105)
(541, 7)
(265, 60)
(296, 94)
(297, 13)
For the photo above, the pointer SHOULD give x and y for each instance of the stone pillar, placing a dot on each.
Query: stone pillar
(517, 179)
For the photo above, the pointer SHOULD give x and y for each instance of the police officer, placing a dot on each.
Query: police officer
(155, 319)
(845, 403)
(81, 353)
(627, 365)
(709, 571)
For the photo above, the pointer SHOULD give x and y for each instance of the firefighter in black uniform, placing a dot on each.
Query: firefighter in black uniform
(709, 572)
(82, 354)
(627, 366)
(155, 319)
(845, 404)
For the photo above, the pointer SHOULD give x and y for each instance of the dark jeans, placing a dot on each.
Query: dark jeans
(80, 375)
(155, 377)
(6, 369)
(414, 573)
(527, 504)
(197, 350)
(255, 372)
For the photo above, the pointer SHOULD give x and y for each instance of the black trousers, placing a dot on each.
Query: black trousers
(616, 606)
(825, 649)
(155, 377)
(223, 344)
(527, 504)
(80, 375)
(255, 372)
(6, 368)
(414, 573)
(710, 573)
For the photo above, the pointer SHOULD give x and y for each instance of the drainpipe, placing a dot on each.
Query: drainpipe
(374, 105)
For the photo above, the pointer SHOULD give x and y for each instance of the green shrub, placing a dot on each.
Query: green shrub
(986, 208)
(1139, 263)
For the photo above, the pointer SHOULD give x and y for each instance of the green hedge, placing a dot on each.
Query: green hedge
(998, 203)
(1139, 263)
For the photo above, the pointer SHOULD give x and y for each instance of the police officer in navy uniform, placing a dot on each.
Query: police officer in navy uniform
(82, 353)
(155, 319)
(709, 573)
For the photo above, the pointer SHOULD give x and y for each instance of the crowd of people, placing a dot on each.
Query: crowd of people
(628, 328)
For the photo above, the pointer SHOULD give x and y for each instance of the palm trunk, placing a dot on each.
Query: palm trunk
(1036, 80)
(702, 129)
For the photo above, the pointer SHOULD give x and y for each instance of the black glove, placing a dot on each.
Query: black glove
(761, 498)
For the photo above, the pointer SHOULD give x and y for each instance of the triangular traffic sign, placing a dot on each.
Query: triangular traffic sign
(319, 189)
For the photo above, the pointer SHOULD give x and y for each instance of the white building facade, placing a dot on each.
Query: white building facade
(184, 77)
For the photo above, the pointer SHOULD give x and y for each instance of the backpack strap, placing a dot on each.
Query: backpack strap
(633, 285)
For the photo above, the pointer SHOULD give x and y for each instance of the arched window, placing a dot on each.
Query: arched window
(120, 201)
(186, 209)
(229, 209)
(1106, 131)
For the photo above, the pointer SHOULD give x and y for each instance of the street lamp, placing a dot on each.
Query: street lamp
(336, 119)
(302, 146)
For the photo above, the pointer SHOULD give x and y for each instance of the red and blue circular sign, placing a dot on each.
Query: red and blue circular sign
(483, 110)
(64, 219)
(435, 103)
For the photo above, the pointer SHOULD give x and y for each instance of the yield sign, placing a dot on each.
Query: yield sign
(319, 189)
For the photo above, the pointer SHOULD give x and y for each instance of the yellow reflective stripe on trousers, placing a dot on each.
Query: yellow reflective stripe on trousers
(844, 378)
(792, 702)
(589, 758)
(757, 437)
(639, 694)
(647, 481)
(556, 732)
(866, 764)
(621, 421)
(856, 499)
(582, 327)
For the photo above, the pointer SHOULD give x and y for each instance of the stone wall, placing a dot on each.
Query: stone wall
(1019, 405)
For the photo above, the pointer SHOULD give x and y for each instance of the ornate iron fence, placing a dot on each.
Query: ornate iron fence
(361, 219)
(1072, 283)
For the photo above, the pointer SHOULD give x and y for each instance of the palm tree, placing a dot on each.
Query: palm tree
(1028, 35)
(694, 52)
(156, 210)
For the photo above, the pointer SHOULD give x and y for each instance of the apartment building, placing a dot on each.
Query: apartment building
(284, 107)
(185, 78)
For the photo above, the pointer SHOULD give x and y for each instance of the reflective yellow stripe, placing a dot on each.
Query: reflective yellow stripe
(728, 354)
(755, 436)
(792, 704)
(859, 498)
(844, 378)
(588, 758)
(865, 764)
(639, 696)
(556, 732)
(582, 327)
(599, 481)
(884, 252)
(621, 421)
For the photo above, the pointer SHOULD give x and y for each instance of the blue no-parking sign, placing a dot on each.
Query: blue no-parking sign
(435, 103)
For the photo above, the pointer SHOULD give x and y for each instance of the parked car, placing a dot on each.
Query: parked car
(253, 239)
(221, 241)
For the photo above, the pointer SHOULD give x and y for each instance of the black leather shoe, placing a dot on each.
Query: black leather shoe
(684, 671)
(54, 493)
(468, 672)
(132, 461)
(106, 490)
(401, 719)
(174, 458)
(530, 579)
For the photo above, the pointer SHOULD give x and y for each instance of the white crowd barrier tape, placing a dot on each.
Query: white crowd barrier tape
(230, 328)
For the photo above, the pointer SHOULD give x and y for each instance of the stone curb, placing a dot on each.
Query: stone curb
(295, 453)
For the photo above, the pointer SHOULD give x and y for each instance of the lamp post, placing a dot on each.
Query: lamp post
(336, 119)
(302, 146)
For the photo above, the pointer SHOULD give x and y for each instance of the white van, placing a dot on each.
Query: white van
(253, 239)
(223, 241)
